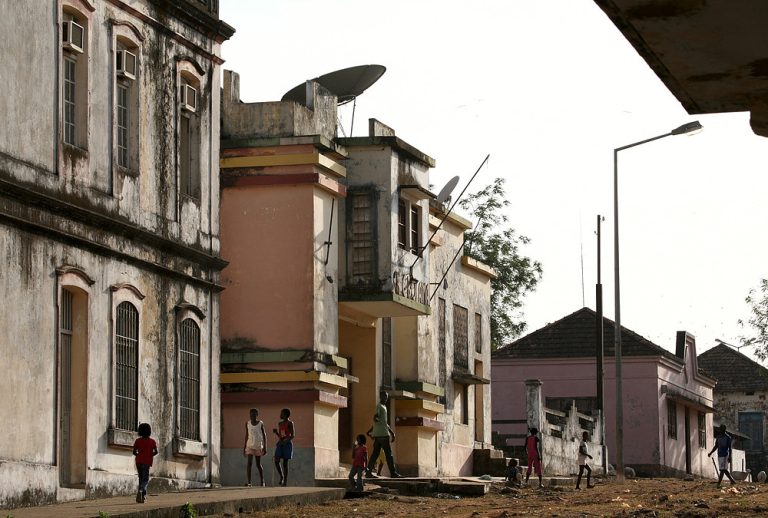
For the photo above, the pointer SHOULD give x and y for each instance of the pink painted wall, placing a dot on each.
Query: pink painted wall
(576, 378)
(234, 417)
(267, 236)
(646, 439)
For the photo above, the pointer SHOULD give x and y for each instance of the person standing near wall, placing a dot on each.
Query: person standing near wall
(723, 445)
(533, 450)
(381, 434)
(255, 445)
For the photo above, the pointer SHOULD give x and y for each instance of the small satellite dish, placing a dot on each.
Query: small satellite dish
(447, 190)
(345, 84)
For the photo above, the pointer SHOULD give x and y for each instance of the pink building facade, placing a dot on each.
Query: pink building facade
(667, 401)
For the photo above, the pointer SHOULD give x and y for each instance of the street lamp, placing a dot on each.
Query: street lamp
(688, 128)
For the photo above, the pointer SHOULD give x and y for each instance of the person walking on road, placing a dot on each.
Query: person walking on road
(723, 443)
(382, 436)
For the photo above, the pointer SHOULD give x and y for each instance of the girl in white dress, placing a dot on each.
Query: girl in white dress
(255, 444)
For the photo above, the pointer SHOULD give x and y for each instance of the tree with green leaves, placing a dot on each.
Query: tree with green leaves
(494, 242)
(758, 320)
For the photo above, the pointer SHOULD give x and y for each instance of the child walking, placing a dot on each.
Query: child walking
(284, 448)
(359, 463)
(533, 449)
(724, 447)
(255, 445)
(583, 456)
(145, 449)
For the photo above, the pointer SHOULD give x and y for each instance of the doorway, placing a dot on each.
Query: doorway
(73, 387)
(687, 440)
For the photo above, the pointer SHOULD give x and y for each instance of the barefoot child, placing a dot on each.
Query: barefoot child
(284, 447)
(359, 463)
(533, 449)
(583, 456)
(255, 445)
(145, 448)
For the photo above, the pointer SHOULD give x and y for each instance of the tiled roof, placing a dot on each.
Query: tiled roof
(733, 371)
(574, 337)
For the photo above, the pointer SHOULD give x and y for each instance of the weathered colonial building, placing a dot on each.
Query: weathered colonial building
(667, 398)
(328, 297)
(109, 241)
(740, 400)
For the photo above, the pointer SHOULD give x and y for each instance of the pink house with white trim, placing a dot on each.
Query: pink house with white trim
(667, 401)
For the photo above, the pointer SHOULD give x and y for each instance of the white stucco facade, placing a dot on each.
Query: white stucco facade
(99, 212)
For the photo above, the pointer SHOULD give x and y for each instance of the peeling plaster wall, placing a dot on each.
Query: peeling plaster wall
(64, 206)
(472, 290)
(728, 405)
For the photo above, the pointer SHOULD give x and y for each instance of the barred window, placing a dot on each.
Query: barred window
(189, 380)
(362, 233)
(702, 430)
(671, 419)
(460, 338)
(126, 366)
(386, 352)
(478, 333)
(441, 340)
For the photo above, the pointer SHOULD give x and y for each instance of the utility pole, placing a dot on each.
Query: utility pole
(599, 349)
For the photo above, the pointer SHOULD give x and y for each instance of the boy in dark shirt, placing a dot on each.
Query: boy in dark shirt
(723, 446)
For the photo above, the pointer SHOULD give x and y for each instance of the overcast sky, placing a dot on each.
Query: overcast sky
(548, 89)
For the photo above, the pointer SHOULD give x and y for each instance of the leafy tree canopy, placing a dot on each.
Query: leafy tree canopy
(494, 242)
(758, 320)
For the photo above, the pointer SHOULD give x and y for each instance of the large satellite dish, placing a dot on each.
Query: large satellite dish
(346, 84)
(447, 190)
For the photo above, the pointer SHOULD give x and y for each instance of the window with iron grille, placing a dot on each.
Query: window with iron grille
(126, 366)
(65, 334)
(671, 419)
(460, 338)
(702, 430)
(189, 380)
(402, 225)
(415, 228)
(751, 424)
(361, 237)
(478, 333)
(70, 84)
(441, 340)
(122, 125)
(386, 352)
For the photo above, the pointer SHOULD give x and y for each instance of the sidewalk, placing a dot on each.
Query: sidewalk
(166, 505)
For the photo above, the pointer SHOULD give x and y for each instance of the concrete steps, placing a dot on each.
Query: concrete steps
(414, 486)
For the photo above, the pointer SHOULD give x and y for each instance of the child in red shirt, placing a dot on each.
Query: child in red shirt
(359, 462)
(145, 448)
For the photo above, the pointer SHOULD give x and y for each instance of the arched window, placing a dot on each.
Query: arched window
(126, 366)
(189, 380)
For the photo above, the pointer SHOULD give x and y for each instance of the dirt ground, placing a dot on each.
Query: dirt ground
(635, 498)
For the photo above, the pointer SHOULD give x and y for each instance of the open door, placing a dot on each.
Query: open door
(73, 387)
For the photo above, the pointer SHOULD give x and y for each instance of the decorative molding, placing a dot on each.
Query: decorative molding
(186, 306)
(132, 27)
(192, 61)
(127, 286)
(63, 270)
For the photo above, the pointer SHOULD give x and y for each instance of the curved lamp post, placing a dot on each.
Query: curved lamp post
(688, 128)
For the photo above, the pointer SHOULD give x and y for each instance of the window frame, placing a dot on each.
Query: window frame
(74, 111)
(671, 419)
(122, 293)
(193, 447)
(126, 136)
(702, 428)
(362, 233)
(460, 337)
(189, 378)
(189, 137)
(409, 225)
